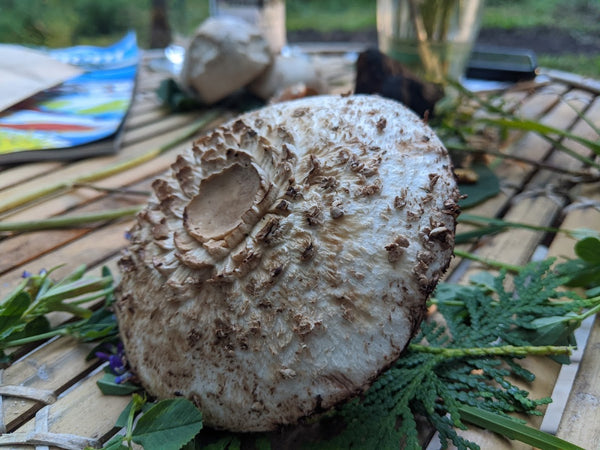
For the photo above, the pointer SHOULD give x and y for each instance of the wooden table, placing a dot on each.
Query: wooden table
(61, 394)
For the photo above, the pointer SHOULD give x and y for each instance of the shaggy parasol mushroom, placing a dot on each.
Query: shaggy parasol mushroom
(286, 259)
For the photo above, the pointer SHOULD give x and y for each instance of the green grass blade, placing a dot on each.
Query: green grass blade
(540, 128)
(580, 114)
(492, 221)
(70, 221)
(468, 236)
(513, 429)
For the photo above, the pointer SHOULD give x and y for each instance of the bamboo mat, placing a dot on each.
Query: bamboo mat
(60, 395)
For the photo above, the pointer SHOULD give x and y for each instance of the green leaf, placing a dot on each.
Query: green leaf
(168, 425)
(115, 443)
(137, 402)
(485, 280)
(12, 310)
(57, 295)
(175, 98)
(108, 386)
(124, 416)
(38, 326)
(102, 323)
(487, 186)
(554, 330)
(73, 276)
(226, 443)
(262, 443)
(580, 273)
(4, 359)
(588, 249)
(514, 430)
(468, 236)
(593, 292)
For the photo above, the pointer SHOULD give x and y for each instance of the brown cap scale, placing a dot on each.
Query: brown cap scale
(285, 260)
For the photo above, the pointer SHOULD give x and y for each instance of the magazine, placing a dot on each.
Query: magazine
(79, 118)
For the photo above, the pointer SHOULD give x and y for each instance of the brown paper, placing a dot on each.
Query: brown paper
(25, 72)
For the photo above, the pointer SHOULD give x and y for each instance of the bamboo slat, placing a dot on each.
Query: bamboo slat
(69, 402)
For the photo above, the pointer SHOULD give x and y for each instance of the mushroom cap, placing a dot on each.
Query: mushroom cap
(285, 260)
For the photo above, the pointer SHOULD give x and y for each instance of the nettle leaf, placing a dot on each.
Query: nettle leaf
(168, 425)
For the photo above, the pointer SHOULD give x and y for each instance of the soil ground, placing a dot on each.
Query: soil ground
(542, 40)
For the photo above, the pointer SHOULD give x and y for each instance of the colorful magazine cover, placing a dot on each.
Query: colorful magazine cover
(82, 116)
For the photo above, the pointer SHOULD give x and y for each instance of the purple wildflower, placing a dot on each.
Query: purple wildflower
(28, 274)
(117, 361)
(123, 378)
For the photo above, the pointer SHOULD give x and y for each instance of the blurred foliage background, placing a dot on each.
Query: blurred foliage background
(59, 23)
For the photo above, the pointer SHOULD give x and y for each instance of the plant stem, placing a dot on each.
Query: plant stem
(70, 221)
(123, 191)
(488, 262)
(113, 169)
(434, 301)
(543, 165)
(475, 219)
(563, 148)
(581, 115)
(503, 350)
(581, 317)
(31, 339)
(545, 131)
(137, 403)
(430, 62)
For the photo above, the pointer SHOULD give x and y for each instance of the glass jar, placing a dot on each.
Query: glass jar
(267, 15)
(433, 38)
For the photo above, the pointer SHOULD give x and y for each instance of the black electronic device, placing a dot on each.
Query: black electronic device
(501, 64)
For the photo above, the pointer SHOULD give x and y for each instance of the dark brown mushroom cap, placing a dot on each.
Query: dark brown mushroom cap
(285, 260)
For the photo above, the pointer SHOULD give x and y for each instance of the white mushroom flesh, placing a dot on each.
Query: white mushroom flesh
(285, 260)
(223, 55)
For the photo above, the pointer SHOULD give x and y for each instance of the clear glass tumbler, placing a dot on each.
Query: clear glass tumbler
(431, 37)
(267, 15)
